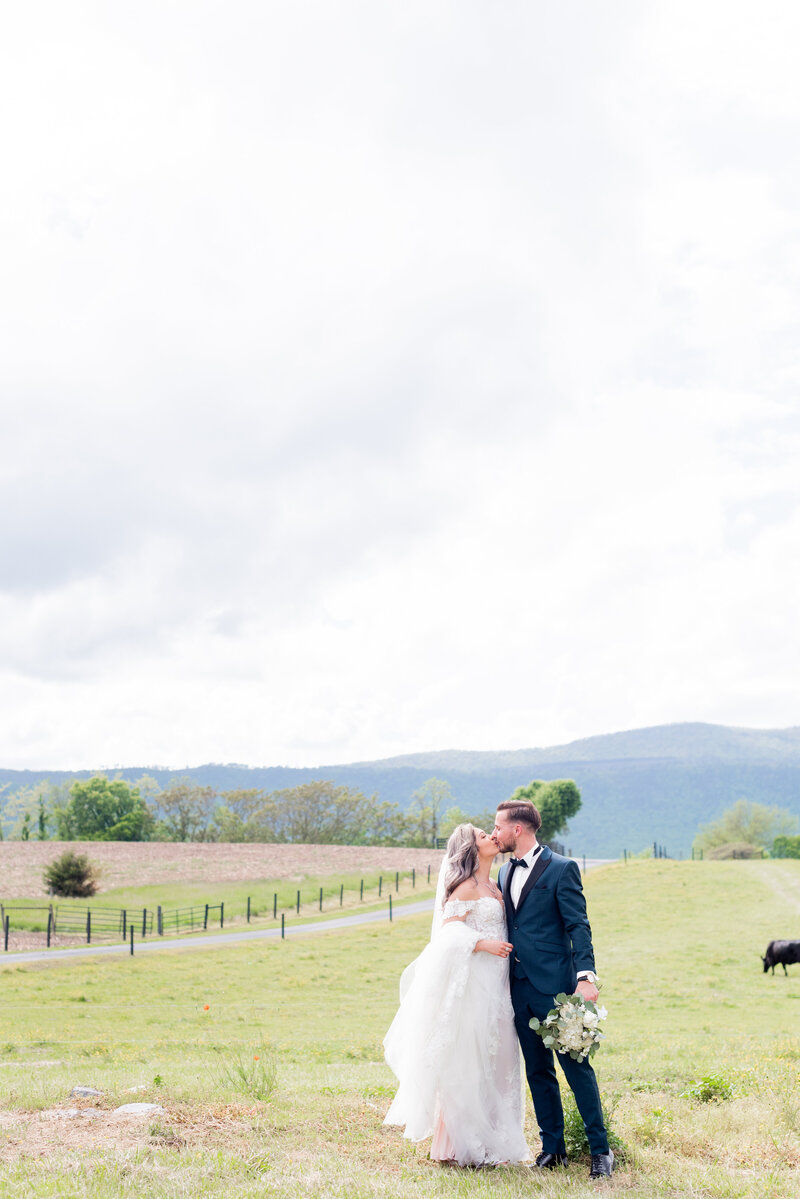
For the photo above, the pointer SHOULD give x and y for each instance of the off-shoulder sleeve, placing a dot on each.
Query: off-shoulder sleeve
(457, 907)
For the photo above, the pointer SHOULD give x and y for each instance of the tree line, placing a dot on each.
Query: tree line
(750, 829)
(104, 809)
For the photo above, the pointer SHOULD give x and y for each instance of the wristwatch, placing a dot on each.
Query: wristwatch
(588, 976)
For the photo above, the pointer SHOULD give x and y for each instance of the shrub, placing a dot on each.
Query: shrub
(735, 849)
(575, 1134)
(72, 876)
(713, 1088)
(786, 847)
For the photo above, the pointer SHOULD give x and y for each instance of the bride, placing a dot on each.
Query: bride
(452, 1044)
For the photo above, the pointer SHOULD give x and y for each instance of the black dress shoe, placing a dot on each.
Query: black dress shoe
(549, 1161)
(602, 1165)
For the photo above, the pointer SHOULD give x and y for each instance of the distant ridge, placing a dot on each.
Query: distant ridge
(709, 742)
(638, 786)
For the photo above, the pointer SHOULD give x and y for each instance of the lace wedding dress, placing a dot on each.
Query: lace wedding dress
(453, 1045)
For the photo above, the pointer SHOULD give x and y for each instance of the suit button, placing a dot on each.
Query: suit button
(516, 926)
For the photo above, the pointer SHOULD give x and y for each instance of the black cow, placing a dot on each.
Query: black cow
(781, 953)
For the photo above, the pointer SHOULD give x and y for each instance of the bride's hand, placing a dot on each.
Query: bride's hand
(501, 948)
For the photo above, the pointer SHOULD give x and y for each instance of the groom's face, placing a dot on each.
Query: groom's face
(504, 833)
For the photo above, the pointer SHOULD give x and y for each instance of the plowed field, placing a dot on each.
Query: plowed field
(126, 864)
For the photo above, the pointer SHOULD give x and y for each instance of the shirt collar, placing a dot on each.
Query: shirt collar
(530, 856)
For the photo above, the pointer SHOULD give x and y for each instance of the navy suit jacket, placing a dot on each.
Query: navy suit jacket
(549, 928)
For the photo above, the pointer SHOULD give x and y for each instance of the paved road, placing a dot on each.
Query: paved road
(212, 941)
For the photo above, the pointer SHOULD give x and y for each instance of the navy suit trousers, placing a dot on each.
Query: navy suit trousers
(542, 1079)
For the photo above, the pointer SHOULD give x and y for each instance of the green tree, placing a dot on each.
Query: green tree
(746, 823)
(319, 812)
(43, 820)
(428, 807)
(557, 802)
(100, 809)
(26, 827)
(185, 810)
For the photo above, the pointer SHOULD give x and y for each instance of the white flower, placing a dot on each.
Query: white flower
(573, 1027)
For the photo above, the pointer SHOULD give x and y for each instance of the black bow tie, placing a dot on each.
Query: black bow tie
(518, 862)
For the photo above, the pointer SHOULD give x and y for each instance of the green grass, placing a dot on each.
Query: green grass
(678, 947)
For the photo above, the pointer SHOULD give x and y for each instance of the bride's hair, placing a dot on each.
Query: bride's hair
(462, 857)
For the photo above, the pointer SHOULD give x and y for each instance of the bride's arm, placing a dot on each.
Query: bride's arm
(500, 948)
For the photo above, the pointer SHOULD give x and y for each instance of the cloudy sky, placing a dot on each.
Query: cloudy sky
(388, 377)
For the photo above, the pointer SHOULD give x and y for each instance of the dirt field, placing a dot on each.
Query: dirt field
(126, 864)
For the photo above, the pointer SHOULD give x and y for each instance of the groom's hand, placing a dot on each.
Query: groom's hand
(587, 990)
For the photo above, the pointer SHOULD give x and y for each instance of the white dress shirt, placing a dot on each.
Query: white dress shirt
(520, 876)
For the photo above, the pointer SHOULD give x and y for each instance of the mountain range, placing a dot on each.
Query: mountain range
(639, 787)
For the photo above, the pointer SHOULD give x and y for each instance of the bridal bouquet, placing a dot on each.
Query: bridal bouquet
(572, 1027)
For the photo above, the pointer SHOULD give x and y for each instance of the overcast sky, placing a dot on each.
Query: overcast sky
(380, 377)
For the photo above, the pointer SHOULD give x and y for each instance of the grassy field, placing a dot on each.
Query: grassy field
(678, 947)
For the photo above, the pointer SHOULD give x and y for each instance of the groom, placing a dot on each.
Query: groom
(548, 927)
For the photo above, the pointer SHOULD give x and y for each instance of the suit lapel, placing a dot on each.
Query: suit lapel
(536, 872)
(502, 879)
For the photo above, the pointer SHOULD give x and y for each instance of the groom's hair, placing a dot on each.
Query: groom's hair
(520, 811)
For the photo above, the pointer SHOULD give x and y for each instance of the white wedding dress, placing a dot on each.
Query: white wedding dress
(453, 1045)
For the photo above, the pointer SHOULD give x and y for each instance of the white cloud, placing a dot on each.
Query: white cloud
(387, 379)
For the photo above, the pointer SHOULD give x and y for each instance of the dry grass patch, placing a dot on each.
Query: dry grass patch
(82, 1127)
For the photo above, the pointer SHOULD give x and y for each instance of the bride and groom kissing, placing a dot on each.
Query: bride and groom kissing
(497, 956)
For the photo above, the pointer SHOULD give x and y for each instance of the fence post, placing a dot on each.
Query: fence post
(160, 919)
(390, 907)
(380, 885)
(248, 909)
(320, 899)
(49, 926)
(397, 880)
(124, 923)
(144, 922)
(131, 940)
(275, 905)
(88, 926)
(341, 895)
(205, 919)
(5, 932)
(298, 903)
(413, 876)
(362, 890)
(283, 925)
(222, 914)
(429, 876)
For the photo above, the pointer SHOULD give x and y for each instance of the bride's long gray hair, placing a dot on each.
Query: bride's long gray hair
(461, 857)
